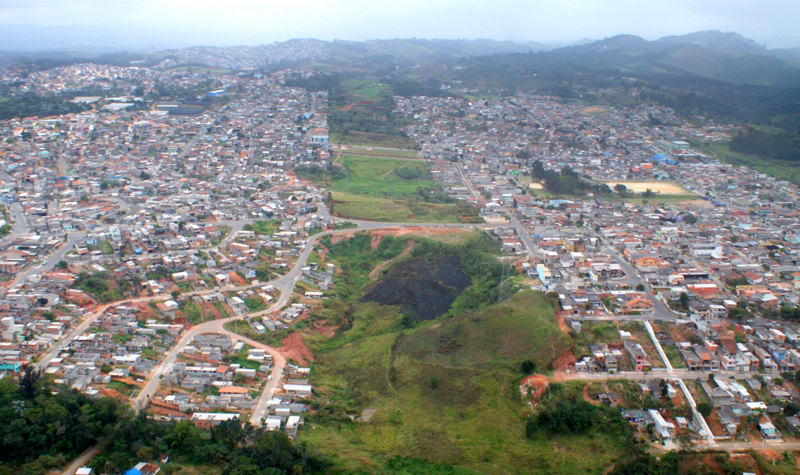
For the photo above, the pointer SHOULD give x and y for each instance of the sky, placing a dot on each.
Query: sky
(226, 22)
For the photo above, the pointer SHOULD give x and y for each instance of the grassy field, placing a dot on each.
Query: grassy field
(371, 139)
(263, 227)
(378, 209)
(362, 113)
(776, 168)
(387, 189)
(364, 88)
(443, 393)
(380, 152)
(383, 176)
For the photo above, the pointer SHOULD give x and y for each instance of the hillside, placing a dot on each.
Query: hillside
(423, 286)
(437, 396)
(441, 395)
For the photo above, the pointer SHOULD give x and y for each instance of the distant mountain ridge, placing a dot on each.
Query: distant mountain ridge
(718, 55)
(403, 51)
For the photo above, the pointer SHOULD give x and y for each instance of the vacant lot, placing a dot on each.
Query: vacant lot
(665, 187)
(398, 190)
(385, 177)
(379, 152)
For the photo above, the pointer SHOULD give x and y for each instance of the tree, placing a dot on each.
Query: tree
(621, 189)
(640, 287)
(528, 367)
(704, 408)
(683, 301)
(61, 265)
(27, 381)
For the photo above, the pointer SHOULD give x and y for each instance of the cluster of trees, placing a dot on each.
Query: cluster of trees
(411, 173)
(790, 313)
(231, 447)
(29, 104)
(103, 287)
(316, 173)
(780, 146)
(45, 427)
(42, 430)
(565, 416)
(566, 182)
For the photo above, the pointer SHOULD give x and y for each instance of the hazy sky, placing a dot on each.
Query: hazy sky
(225, 22)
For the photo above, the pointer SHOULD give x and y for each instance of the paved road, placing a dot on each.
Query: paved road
(275, 376)
(50, 261)
(53, 352)
(633, 278)
(648, 375)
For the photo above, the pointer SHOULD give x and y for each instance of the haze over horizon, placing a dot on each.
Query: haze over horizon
(153, 24)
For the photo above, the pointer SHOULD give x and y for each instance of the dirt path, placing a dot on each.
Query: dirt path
(588, 398)
(383, 265)
(79, 462)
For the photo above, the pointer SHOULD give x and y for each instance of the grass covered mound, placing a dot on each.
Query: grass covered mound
(523, 327)
(424, 286)
(444, 393)
(435, 396)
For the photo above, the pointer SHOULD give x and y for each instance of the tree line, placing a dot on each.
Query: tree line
(46, 426)
(566, 182)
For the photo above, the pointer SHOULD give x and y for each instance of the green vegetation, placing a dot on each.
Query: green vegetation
(6, 228)
(254, 304)
(44, 429)
(105, 247)
(101, 286)
(374, 176)
(445, 391)
(263, 227)
(41, 430)
(382, 152)
(361, 110)
(789, 171)
(344, 225)
(567, 182)
(564, 416)
(388, 189)
(30, 104)
(770, 143)
(241, 359)
(191, 311)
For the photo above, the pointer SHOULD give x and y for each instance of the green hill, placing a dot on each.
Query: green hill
(437, 396)
(444, 393)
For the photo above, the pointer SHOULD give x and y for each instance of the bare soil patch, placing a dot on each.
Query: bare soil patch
(295, 348)
(664, 187)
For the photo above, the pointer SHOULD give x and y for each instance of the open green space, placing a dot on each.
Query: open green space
(779, 169)
(381, 152)
(438, 396)
(375, 139)
(387, 189)
(383, 176)
(263, 227)
(361, 110)
(444, 392)
(364, 88)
